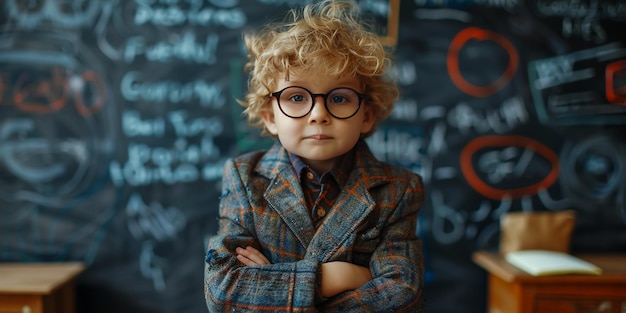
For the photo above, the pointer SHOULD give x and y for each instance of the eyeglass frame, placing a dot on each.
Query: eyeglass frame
(324, 96)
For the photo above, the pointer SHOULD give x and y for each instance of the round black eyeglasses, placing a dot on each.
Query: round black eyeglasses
(341, 103)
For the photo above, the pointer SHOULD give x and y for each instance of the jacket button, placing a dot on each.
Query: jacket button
(321, 212)
(309, 175)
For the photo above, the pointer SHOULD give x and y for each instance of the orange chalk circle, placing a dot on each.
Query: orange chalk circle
(26, 95)
(98, 102)
(474, 33)
(50, 95)
(615, 82)
(507, 141)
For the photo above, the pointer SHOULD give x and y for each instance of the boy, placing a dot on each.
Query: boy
(316, 223)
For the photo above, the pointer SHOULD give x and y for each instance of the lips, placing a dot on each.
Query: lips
(319, 137)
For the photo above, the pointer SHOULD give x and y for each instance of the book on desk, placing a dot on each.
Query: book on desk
(545, 262)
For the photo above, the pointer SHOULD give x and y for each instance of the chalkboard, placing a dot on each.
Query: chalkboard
(116, 118)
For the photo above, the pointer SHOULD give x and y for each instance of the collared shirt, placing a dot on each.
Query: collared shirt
(320, 192)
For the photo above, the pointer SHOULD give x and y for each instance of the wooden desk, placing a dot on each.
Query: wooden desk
(38, 287)
(512, 290)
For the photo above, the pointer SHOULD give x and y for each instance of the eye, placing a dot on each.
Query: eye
(339, 99)
(295, 95)
(343, 96)
(297, 98)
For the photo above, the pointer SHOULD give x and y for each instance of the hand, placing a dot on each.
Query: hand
(338, 277)
(251, 256)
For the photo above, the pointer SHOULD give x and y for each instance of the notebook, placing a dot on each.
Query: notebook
(545, 262)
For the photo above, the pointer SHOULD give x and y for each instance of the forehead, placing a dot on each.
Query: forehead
(316, 81)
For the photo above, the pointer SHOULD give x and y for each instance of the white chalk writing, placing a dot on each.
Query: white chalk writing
(467, 118)
(505, 4)
(174, 15)
(186, 49)
(182, 163)
(581, 8)
(133, 125)
(405, 109)
(398, 147)
(209, 95)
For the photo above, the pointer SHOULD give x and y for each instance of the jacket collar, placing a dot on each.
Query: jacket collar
(339, 172)
(351, 207)
(276, 162)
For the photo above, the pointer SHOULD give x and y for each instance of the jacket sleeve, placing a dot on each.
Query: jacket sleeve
(229, 285)
(396, 264)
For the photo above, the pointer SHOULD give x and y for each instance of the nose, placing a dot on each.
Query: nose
(319, 114)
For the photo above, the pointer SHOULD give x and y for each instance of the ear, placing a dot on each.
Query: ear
(270, 122)
(369, 119)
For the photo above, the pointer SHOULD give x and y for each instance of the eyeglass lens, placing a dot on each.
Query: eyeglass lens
(298, 102)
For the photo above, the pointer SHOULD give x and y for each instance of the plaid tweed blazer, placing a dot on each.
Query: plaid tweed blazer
(372, 223)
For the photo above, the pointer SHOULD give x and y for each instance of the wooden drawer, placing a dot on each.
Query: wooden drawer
(512, 290)
(20, 304)
(38, 287)
(577, 306)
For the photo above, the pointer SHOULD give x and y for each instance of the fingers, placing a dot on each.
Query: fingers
(251, 256)
(244, 260)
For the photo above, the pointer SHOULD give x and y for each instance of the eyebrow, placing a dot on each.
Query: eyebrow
(355, 86)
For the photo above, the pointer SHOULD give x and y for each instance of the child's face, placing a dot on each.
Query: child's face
(318, 137)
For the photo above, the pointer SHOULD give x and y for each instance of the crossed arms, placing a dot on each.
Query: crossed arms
(255, 263)
(336, 277)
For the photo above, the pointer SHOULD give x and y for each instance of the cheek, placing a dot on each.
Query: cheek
(287, 127)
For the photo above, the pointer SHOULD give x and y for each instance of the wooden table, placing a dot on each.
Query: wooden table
(512, 290)
(38, 287)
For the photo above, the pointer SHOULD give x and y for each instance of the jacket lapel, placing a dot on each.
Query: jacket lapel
(353, 205)
(350, 209)
(284, 194)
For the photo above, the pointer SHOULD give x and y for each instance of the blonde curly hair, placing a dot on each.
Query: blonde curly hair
(327, 37)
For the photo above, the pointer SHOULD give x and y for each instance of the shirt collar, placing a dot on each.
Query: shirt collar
(339, 172)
